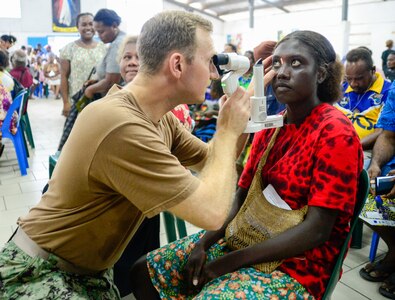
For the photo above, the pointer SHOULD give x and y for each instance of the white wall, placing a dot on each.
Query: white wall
(370, 25)
(218, 26)
(36, 20)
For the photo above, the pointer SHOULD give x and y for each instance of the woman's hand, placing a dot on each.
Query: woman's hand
(214, 269)
(66, 109)
(89, 82)
(193, 268)
(268, 77)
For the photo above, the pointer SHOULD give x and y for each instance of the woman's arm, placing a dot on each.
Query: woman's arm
(312, 232)
(64, 85)
(102, 86)
(369, 140)
(57, 70)
(197, 259)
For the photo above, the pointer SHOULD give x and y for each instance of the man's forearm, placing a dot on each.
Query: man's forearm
(209, 205)
(384, 148)
(101, 86)
(369, 141)
(219, 173)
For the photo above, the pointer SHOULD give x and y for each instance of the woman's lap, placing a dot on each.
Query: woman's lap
(165, 265)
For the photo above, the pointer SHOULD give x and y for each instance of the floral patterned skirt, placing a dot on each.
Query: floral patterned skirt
(166, 264)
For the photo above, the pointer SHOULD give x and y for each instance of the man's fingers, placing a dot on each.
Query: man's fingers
(392, 172)
(390, 195)
(236, 96)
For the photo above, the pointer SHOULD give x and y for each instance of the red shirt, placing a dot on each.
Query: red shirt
(182, 113)
(23, 75)
(316, 163)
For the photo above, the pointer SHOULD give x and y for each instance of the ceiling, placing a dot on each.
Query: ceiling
(229, 9)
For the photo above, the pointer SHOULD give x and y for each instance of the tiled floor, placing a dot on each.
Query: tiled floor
(18, 194)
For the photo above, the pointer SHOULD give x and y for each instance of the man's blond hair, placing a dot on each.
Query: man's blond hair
(166, 32)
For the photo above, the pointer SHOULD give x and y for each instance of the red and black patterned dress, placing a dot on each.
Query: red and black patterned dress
(316, 163)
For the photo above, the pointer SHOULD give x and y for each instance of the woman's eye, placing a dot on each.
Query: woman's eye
(296, 63)
(276, 64)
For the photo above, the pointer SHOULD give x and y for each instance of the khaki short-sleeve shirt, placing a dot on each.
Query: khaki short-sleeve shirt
(116, 168)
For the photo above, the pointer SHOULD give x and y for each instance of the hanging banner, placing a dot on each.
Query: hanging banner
(64, 14)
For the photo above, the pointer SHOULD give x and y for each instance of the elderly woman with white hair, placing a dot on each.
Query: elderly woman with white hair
(20, 71)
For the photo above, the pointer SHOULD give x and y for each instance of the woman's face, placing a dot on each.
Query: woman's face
(129, 62)
(85, 27)
(106, 33)
(296, 78)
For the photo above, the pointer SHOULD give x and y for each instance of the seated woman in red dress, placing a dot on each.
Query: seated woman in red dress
(315, 161)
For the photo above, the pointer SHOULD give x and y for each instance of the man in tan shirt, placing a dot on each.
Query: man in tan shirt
(125, 160)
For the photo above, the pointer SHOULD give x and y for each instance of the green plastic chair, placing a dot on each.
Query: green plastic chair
(362, 194)
(171, 223)
(25, 122)
(53, 159)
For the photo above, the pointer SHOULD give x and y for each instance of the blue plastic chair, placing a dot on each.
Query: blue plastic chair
(18, 138)
(38, 92)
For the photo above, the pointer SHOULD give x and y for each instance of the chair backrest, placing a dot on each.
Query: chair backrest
(25, 101)
(16, 105)
(362, 193)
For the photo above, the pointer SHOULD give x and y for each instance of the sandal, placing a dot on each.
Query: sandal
(387, 289)
(375, 272)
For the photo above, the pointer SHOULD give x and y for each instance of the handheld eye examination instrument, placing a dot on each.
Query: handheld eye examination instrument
(236, 65)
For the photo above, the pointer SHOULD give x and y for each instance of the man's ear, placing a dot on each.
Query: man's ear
(374, 70)
(322, 73)
(176, 64)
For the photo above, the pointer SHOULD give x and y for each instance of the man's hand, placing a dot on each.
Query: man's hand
(89, 93)
(373, 171)
(234, 113)
(391, 194)
(90, 82)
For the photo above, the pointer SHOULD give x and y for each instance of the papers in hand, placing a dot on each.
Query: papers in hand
(271, 195)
